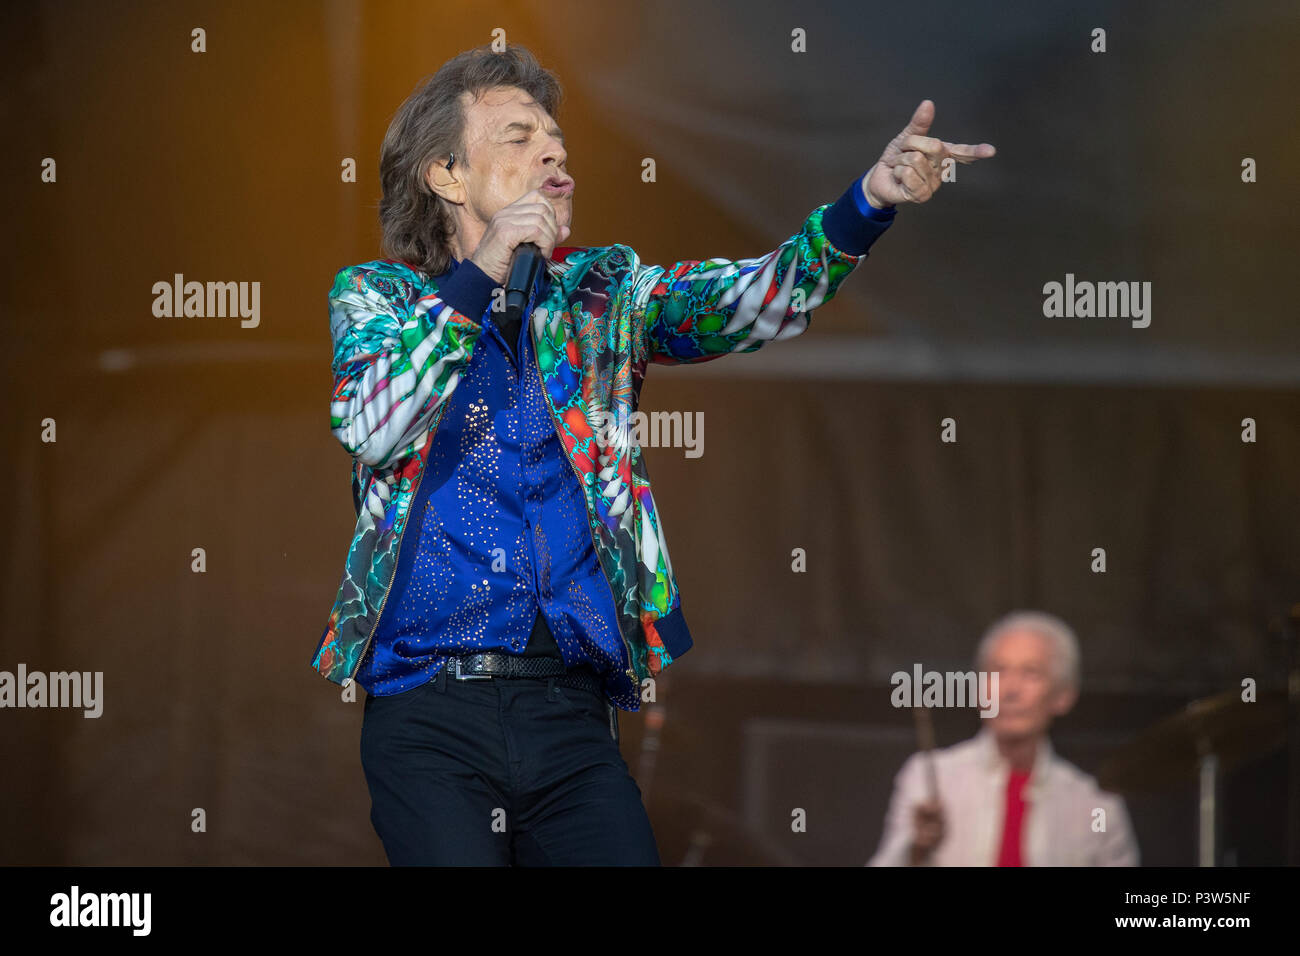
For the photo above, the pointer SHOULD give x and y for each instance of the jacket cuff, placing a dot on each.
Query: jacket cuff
(852, 224)
(468, 290)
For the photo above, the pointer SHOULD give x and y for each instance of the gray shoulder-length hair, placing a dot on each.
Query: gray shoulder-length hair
(417, 223)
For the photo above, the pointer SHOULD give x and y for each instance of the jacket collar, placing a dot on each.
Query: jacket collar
(552, 269)
(992, 761)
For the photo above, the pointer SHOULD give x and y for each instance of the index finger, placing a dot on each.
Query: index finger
(966, 153)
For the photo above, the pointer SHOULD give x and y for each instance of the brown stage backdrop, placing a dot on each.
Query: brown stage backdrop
(1072, 434)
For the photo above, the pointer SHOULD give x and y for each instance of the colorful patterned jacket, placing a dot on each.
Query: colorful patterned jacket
(399, 351)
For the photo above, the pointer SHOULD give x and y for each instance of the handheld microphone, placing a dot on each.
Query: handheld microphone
(524, 263)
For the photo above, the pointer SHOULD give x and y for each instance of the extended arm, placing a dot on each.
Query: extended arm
(695, 311)
(699, 310)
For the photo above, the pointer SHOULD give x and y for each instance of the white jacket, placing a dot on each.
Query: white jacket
(1061, 826)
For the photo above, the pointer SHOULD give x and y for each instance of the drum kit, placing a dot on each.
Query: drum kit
(1211, 737)
(1205, 740)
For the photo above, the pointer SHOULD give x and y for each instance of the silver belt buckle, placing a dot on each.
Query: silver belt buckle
(459, 676)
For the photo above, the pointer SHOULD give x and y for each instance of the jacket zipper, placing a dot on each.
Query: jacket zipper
(398, 550)
(630, 672)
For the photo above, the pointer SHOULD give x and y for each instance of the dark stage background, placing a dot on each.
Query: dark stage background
(1073, 434)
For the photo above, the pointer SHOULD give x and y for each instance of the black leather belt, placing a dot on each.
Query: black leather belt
(495, 664)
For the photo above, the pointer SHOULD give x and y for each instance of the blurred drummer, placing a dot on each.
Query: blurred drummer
(1003, 797)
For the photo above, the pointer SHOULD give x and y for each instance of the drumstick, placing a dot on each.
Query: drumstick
(925, 742)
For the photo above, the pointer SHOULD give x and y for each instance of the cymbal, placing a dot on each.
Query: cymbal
(1224, 726)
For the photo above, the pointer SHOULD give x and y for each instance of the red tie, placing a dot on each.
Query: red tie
(1009, 855)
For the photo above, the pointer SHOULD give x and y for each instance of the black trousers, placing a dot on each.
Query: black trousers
(497, 772)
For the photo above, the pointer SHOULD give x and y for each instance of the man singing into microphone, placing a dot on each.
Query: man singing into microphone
(508, 587)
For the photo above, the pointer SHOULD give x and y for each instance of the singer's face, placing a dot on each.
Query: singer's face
(1029, 692)
(514, 147)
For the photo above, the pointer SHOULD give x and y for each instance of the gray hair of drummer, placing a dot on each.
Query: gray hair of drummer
(1059, 636)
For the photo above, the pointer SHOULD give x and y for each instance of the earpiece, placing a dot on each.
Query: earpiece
(450, 162)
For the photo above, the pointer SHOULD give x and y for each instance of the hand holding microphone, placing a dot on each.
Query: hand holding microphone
(529, 219)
